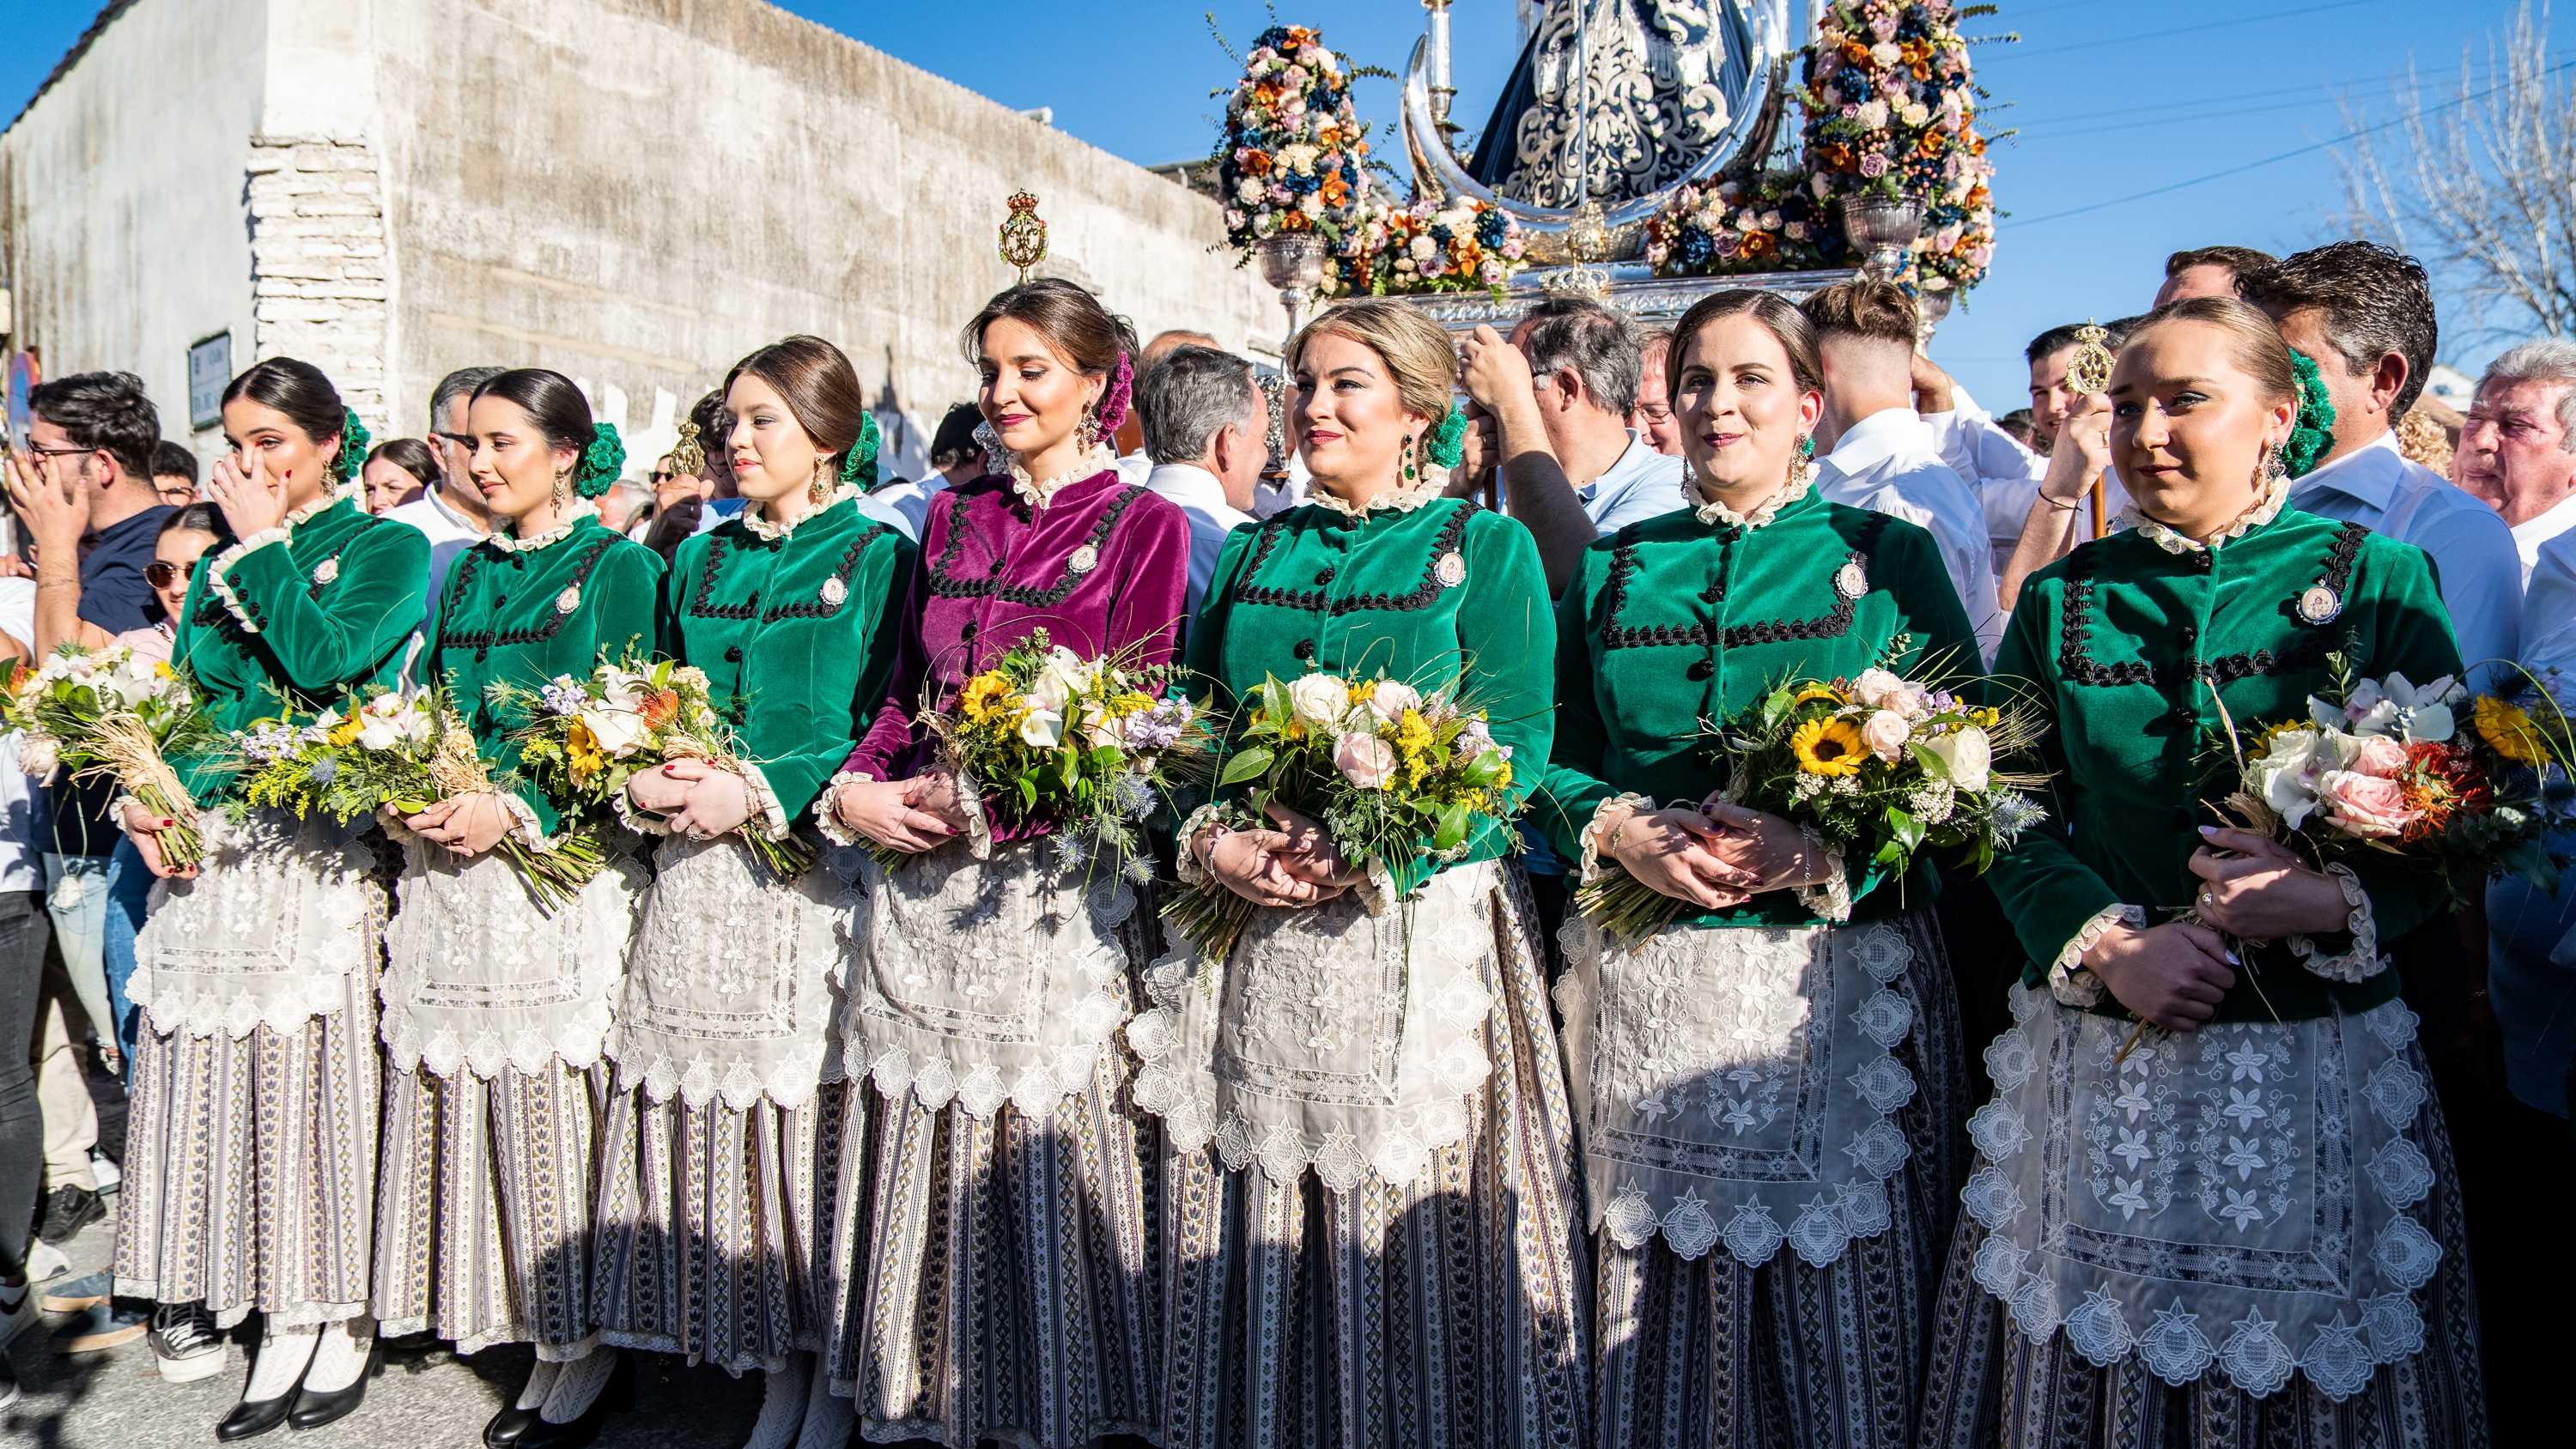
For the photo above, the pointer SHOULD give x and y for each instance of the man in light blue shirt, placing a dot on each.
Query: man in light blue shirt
(2364, 314)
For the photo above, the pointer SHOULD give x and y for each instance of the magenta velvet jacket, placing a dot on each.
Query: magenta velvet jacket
(1103, 568)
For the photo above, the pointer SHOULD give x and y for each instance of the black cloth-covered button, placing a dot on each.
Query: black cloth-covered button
(499, 599)
(1305, 650)
(996, 568)
(733, 654)
(1324, 575)
(966, 630)
(2190, 636)
(2182, 820)
(1701, 669)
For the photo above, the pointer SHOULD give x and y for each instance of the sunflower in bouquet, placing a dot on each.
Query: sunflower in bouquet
(1394, 775)
(1875, 768)
(587, 737)
(1089, 746)
(113, 714)
(402, 750)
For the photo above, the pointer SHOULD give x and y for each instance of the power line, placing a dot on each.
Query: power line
(2131, 39)
(2352, 135)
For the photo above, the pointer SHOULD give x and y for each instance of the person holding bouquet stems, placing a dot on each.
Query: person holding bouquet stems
(2213, 1197)
(724, 1139)
(497, 1007)
(1765, 1057)
(1371, 1216)
(1002, 1193)
(251, 1158)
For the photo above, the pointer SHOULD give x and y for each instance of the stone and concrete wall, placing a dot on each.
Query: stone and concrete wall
(634, 192)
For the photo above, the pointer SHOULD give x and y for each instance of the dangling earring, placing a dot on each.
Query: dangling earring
(819, 489)
(1409, 443)
(1090, 429)
(562, 494)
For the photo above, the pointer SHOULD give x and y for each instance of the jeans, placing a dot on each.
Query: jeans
(76, 897)
(129, 884)
(23, 930)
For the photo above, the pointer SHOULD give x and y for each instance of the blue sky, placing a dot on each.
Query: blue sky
(2122, 109)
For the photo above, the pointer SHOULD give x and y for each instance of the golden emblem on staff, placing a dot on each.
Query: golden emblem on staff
(1023, 238)
(2089, 372)
(689, 456)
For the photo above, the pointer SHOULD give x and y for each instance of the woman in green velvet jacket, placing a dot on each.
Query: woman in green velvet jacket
(497, 1010)
(1387, 1030)
(2214, 1198)
(1770, 1083)
(734, 993)
(252, 1146)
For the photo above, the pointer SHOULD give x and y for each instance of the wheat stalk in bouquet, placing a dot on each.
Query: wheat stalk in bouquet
(113, 714)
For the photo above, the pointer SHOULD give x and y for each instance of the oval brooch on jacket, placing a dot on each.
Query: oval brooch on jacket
(1451, 571)
(2320, 604)
(568, 600)
(325, 571)
(1851, 580)
(1082, 560)
(834, 591)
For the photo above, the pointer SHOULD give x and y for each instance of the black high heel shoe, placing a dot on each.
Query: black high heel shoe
(508, 1427)
(313, 1409)
(616, 1396)
(253, 1417)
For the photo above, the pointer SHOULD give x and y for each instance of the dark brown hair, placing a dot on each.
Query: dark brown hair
(817, 383)
(306, 396)
(1072, 321)
(2237, 260)
(2255, 343)
(2374, 300)
(1879, 311)
(1796, 335)
(410, 455)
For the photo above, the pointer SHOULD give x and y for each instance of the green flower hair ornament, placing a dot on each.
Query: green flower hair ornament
(859, 466)
(353, 447)
(1447, 439)
(601, 462)
(2313, 433)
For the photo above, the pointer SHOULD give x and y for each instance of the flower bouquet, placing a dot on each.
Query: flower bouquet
(399, 750)
(587, 737)
(1380, 763)
(113, 714)
(1088, 745)
(1464, 246)
(1882, 764)
(1289, 157)
(2384, 768)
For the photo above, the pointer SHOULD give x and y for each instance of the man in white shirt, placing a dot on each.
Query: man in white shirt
(2364, 314)
(1557, 410)
(2517, 450)
(2000, 472)
(453, 514)
(1874, 452)
(1207, 428)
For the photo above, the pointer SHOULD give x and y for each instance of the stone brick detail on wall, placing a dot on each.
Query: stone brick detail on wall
(322, 280)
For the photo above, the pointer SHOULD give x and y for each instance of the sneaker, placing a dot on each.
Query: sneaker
(103, 1325)
(45, 1261)
(185, 1341)
(78, 1294)
(68, 1209)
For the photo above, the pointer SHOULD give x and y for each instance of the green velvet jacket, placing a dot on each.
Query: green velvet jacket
(2129, 649)
(1422, 596)
(277, 626)
(522, 614)
(1671, 625)
(792, 635)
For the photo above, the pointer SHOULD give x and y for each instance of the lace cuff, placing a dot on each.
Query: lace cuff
(635, 817)
(2362, 961)
(524, 822)
(1191, 872)
(1829, 899)
(764, 801)
(828, 824)
(2068, 978)
(1592, 869)
(223, 564)
(979, 826)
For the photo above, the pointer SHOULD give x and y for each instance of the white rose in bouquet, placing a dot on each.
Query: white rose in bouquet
(1319, 701)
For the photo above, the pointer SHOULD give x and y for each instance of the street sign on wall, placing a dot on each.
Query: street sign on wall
(210, 367)
(24, 374)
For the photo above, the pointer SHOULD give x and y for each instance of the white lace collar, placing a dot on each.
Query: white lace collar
(329, 496)
(1039, 492)
(2275, 498)
(1713, 512)
(762, 528)
(574, 512)
(1402, 500)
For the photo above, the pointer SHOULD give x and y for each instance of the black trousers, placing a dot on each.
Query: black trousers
(24, 931)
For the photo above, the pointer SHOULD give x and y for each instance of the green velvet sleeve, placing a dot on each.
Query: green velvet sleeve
(2047, 892)
(1202, 654)
(879, 583)
(375, 605)
(1567, 793)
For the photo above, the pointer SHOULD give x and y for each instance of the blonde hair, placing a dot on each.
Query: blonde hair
(1417, 353)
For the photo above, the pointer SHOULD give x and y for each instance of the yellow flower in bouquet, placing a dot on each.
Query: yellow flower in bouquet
(2508, 729)
(1829, 746)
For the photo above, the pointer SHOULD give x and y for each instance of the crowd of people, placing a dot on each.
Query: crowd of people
(2153, 1134)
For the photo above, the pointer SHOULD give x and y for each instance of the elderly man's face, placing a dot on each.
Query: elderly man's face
(2513, 448)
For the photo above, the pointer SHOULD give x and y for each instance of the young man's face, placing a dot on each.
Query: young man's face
(2050, 398)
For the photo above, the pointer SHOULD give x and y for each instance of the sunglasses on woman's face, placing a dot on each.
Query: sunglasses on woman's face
(161, 574)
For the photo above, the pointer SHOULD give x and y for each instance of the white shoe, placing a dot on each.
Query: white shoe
(105, 1173)
(44, 1261)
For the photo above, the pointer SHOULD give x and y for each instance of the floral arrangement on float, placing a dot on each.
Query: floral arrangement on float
(1290, 157)
(1890, 106)
(1463, 246)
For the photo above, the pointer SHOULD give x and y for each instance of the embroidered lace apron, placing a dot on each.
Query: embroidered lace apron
(478, 976)
(736, 978)
(1332, 1037)
(265, 935)
(982, 981)
(1737, 1085)
(2236, 1198)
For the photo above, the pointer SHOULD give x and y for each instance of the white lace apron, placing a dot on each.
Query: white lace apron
(478, 977)
(1333, 1037)
(736, 978)
(1738, 1085)
(2234, 1198)
(982, 981)
(265, 935)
